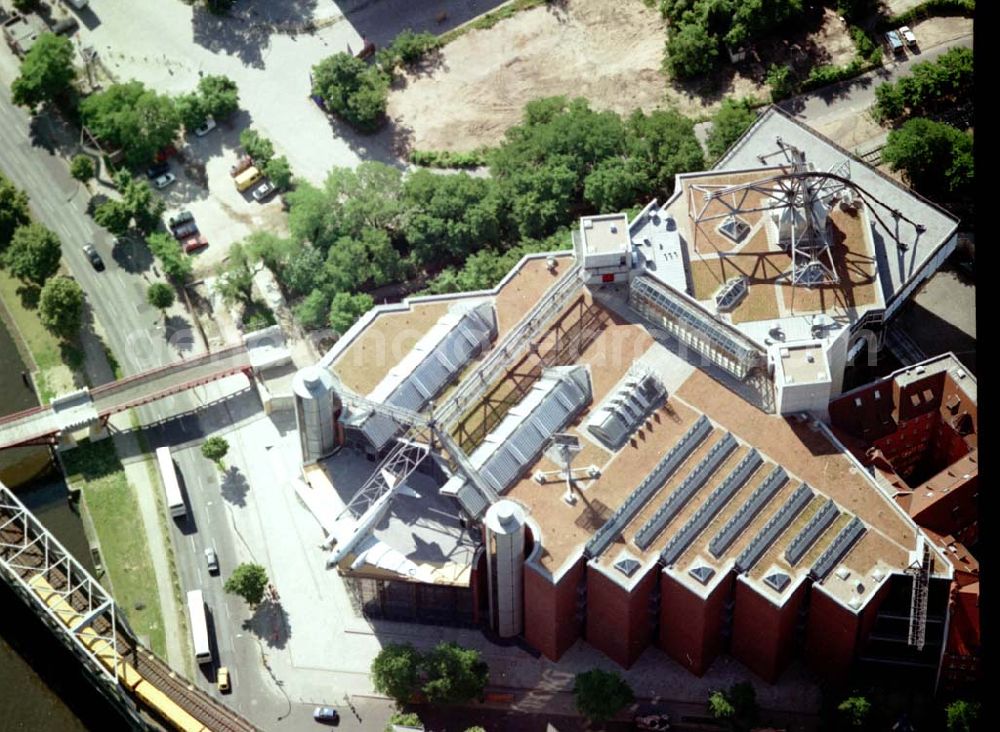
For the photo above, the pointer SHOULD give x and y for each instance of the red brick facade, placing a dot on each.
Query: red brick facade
(691, 628)
(550, 612)
(618, 621)
(763, 633)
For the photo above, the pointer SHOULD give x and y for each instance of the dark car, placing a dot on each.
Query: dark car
(156, 170)
(328, 715)
(94, 257)
(185, 230)
(182, 218)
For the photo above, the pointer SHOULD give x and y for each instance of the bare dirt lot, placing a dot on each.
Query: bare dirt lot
(610, 53)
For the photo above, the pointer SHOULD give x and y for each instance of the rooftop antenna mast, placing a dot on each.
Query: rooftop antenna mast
(562, 450)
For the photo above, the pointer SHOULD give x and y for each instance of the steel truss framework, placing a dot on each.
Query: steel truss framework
(426, 431)
(33, 560)
(796, 189)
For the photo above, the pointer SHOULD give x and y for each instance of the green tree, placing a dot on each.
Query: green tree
(732, 119)
(60, 307)
(352, 263)
(280, 172)
(33, 254)
(235, 283)
(396, 671)
(114, 216)
(664, 144)
(81, 168)
(143, 205)
(176, 264)
(720, 706)
(160, 296)
(257, 146)
(314, 311)
(600, 695)
(215, 449)
(131, 117)
(930, 89)
(935, 157)
(405, 720)
(191, 110)
(346, 308)
(353, 90)
(454, 674)
(691, 51)
(220, 96)
(249, 582)
(407, 48)
(962, 716)
(450, 216)
(46, 72)
(855, 709)
(779, 78)
(615, 184)
(13, 210)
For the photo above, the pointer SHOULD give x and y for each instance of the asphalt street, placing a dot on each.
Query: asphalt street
(853, 97)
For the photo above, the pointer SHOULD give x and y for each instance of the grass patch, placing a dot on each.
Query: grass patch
(114, 510)
(53, 360)
(161, 515)
(491, 18)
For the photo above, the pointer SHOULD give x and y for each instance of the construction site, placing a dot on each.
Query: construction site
(642, 441)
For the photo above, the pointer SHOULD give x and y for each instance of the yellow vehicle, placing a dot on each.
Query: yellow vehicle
(222, 678)
(247, 178)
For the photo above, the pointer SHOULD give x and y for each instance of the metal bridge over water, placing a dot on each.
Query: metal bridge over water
(83, 615)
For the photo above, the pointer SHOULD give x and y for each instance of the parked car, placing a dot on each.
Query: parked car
(194, 243)
(212, 560)
(908, 37)
(206, 127)
(222, 679)
(65, 27)
(94, 257)
(168, 152)
(185, 230)
(181, 218)
(262, 191)
(164, 180)
(895, 42)
(326, 714)
(242, 164)
(653, 722)
(157, 169)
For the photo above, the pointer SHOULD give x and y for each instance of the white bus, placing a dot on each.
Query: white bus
(199, 627)
(175, 501)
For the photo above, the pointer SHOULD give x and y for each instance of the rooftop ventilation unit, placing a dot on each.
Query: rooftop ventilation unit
(777, 581)
(627, 565)
(703, 574)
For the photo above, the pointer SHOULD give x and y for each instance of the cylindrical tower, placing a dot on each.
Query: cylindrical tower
(317, 409)
(505, 563)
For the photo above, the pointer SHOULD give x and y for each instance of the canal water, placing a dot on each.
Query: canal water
(41, 686)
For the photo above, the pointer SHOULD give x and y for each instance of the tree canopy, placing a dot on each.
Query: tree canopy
(454, 674)
(176, 264)
(144, 207)
(260, 148)
(732, 119)
(931, 88)
(353, 90)
(395, 671)
(249, 582)
(345, 308)
(962, 716)
(160, 296)
(46, 72)
(219, 95)
(215, 448)
(33, 254)
(81, 168)
(936, 158)
(60, 307)
(132, 117)
(600, 695)
(855, 709)
(14, 210)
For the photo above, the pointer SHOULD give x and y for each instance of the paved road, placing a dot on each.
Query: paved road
(852, 98)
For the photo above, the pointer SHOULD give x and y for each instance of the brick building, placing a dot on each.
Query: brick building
(647, 417)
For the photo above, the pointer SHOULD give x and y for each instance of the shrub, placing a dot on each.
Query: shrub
(779, 78)
(81, 168)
